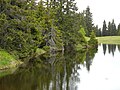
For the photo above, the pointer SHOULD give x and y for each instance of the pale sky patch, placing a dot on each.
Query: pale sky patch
(102, 10)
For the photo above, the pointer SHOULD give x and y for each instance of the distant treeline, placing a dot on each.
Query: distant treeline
(108, 30)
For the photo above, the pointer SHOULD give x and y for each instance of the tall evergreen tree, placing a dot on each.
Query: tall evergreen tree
(104, 29)
(114, 31)
(68, 22)
(109, 29)
(118, 30)
(89, 21)
(97, 31)
(83, 21)
(46, 18)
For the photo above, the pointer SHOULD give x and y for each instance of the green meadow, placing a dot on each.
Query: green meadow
(109, 40)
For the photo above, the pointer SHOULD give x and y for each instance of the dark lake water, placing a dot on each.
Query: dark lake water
(83, 70)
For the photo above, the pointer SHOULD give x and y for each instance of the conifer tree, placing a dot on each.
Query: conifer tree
(68, 22)
(19, 34)
(93, 41)
(89, 21)
(26, 25)
(113, 33)
(104, 29)
(118, 30)
(109, 29)
(97, 31)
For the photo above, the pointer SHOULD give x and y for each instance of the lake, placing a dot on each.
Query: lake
(95, 69)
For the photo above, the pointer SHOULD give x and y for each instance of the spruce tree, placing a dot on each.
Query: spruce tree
(104, 29)
(113, 28)
(112, 31)
(109, 29)
(93, 41)
(118, 30)
(89, 21)
(20, 36)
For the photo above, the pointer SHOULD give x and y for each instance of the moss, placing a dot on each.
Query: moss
(7, 60)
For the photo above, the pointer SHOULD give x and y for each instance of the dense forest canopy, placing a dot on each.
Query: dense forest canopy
(26, 25)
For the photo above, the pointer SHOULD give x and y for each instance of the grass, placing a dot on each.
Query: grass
(7, 60)
(109, 39)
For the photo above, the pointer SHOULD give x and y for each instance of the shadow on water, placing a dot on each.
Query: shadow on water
(49, 72)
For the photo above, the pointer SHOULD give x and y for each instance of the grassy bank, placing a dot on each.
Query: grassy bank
(7, 60)
(7, 72)
(109, 39)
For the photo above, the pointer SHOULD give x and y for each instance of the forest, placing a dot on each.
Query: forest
(52, 45)
(52, 25)
(108, 29)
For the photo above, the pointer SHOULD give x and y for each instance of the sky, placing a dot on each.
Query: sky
(101, 10)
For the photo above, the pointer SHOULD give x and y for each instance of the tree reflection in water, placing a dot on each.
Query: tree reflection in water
(49, 72)
(111, 48)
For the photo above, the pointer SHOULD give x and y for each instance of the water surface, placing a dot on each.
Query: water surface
(83, 70)
(104, 72)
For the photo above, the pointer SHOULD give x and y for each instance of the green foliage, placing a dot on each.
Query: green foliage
(18, 31)
(98, 31)
(82, 35)
(82, 31)
(118, 30)
(104, 29)
(26, 27)
(93, 41)
(88, 21)
(111, 30)
(39, 52)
